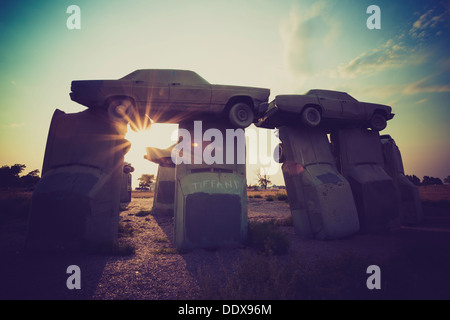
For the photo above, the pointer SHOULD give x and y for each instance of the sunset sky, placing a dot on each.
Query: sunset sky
(287, 46)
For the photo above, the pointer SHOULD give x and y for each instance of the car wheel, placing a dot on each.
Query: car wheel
(311, 117)
(241, 115)
(120, 109)
(278, 154)
(378, 122)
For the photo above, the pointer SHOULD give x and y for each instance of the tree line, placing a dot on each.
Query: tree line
(10, 177)
(427, 180)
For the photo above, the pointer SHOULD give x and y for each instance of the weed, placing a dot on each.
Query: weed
(281, 196)
(267, 238)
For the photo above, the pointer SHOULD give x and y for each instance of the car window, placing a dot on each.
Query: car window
(185, 77)
(150, 75)
(332, 94)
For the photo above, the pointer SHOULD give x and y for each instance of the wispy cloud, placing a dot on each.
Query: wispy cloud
(429, 84)
(429, 23)
(15, 125)
(387, 56)
(303, 34)
(393, 53)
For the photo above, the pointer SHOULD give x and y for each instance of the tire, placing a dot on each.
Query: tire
(241, 115)
(378, 122)
(311, 117)
(278, 154)
(120, 109)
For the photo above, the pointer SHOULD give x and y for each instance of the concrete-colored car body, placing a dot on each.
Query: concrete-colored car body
(320, 199)
(163, 200)
(169, 95)
(333, 107)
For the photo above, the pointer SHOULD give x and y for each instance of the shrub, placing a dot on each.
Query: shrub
(268, 238)
(269, 198)
(258, 196)
(281, 196)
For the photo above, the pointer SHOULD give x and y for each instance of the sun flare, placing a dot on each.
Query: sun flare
(159, 135)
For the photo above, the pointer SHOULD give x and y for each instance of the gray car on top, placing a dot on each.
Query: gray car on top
(317, 106)
(167, 95)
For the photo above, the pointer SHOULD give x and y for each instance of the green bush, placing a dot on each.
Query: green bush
(258, 196)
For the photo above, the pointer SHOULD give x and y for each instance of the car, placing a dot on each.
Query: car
(169, 95)
(317, 106)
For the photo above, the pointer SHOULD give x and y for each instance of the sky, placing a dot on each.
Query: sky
(287, 46)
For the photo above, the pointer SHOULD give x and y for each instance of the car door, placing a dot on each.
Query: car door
(351, 108)
(151, 88)
(331, 107)
(188, 90)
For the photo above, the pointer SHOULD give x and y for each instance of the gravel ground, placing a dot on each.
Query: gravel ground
(156, 271)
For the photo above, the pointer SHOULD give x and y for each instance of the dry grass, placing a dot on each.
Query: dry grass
(435, 193)
(142, 194)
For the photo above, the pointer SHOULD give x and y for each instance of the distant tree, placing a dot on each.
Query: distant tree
(447, 179)
(146, 180)
(414, 179)
(429, 181)
(9, 176)
(263, 178)
(31, 179)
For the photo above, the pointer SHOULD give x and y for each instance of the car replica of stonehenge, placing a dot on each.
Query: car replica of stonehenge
(341, 176)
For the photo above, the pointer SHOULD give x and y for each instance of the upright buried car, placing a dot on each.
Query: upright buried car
(329, 106)
(169, 96)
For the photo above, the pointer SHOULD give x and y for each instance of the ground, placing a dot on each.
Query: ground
(413, 260)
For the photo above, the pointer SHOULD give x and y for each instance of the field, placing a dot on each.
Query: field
(414, 261)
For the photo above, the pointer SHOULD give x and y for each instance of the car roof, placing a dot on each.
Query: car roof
(331, 94)
(165, 73)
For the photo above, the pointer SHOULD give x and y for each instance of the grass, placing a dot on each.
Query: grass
(266, 237)
(14, 205)
(281, 196)
(273, 280)
(277, 278)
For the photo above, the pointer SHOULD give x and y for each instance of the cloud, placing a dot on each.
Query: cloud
(15, 125)
(422, 101)
(391, 54)
(428, 22)
(303, 35)
(429, 84)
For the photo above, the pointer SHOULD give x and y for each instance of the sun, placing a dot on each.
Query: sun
(159, 135)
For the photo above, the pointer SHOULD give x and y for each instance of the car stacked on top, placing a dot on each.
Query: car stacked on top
(324, 106)
(166, 95)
